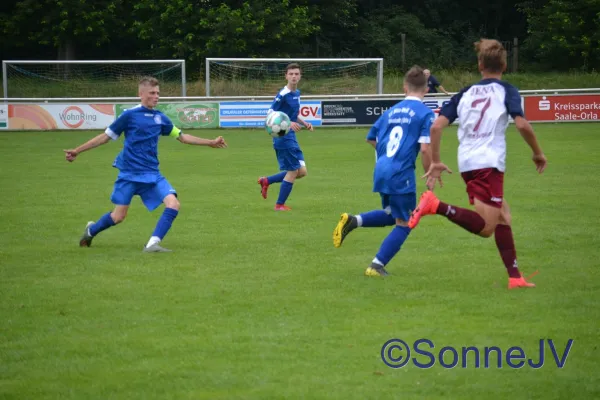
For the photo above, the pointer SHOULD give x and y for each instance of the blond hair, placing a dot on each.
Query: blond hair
(148, 81)
(491, 55)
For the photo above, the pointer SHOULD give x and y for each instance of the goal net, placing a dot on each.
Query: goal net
(264, 76)
(93, 78)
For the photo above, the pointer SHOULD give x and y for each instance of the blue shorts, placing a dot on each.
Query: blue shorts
(290, 159)
(399, 205)
(152, 194)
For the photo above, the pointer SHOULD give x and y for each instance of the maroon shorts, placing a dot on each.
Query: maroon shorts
(485, 185)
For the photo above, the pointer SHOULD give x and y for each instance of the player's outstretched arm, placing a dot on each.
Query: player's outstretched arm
(217, 143)
(526, 131)
(71, 154)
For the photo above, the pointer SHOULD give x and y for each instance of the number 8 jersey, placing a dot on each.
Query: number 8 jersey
(399, 133)
(482, 111)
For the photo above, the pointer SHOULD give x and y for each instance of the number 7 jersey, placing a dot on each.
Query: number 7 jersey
(482, 111)
(399, 133)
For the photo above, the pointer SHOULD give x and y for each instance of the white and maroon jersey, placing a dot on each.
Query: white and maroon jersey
(482, 111)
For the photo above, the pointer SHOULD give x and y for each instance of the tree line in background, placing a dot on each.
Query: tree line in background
(553, 34)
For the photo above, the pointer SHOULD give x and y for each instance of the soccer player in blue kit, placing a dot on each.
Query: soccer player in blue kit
(398, 136)
(138, 165)
(287, 149)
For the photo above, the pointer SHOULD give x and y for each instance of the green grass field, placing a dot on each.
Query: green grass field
(254, 304)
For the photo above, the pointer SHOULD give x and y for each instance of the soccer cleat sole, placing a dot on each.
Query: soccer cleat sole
(338, 232)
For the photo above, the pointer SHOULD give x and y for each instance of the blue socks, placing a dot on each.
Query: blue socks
(276, 178)
(284, 191)
(377, 219)
(286, 187)
(164, 223)
(392, 244)
(162, 227)
(103, 223)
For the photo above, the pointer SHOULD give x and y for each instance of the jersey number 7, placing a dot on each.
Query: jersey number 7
(486, 104)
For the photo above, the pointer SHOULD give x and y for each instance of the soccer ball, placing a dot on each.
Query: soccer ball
(277, 124)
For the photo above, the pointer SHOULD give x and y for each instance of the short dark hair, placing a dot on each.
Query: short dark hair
(292, 66)
(491, 54)
(148, 81)
(415, 79)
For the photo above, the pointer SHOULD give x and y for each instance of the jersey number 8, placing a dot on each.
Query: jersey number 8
(393, 143)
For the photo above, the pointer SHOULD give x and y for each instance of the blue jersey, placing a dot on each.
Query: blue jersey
(288, 102)
(138, 161)
(399, 132)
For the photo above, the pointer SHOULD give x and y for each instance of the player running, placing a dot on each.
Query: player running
(482, 110)
(398, 136)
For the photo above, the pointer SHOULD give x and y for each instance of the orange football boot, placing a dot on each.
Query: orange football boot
(427, 205)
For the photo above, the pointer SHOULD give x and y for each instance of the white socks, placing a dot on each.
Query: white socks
(376, 261)
(153, 240)
(358, 220)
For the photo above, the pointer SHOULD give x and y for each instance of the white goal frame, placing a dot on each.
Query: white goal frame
(379, 62)
(5, 63)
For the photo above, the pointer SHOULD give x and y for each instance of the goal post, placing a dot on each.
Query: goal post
(263, 76)
(88, 78)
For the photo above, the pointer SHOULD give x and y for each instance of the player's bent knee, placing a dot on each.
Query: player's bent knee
(291, 176)
(172, 202)
(118, 217)
(490, 214)
(505, 216)
(486, 233)
(119, 213)
(488, 230)
(505, 219)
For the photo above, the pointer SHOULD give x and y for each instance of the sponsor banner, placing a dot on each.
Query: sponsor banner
(365, 112)
(436, 104)
(583, 107)
(3, 116)
(253, 113)
(59, 116)
(184, 115)
(354, 112)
